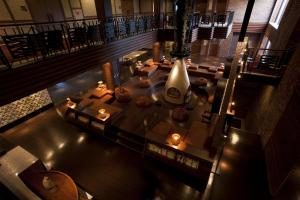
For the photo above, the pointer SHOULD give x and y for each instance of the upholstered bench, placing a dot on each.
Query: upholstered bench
(203, 67)
(193, 67)
(147, 70)
(122, 95)
(143, 83)
(212, 69)
(143, 101)
(201, 82)
(97, 125)
(180, 114)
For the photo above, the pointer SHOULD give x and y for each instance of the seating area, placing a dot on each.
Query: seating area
(209, 72)
(91, 110)
(131, 114)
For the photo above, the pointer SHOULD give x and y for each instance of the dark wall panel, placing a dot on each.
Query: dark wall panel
(282, 150)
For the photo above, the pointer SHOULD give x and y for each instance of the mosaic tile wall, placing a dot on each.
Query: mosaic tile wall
(22, 107)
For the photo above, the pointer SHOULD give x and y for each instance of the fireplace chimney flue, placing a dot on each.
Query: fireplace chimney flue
(177, 88)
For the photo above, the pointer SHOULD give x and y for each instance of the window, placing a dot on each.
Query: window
(278, 12)
(268, 45)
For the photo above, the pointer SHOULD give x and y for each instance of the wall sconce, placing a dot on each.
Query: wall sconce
(232, 106)
(175, 139)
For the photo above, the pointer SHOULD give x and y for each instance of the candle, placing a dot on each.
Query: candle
(175, 139)
(70, 103)
(102, 113)
(101, 84)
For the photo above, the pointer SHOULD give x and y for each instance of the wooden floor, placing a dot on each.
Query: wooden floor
(109, 171)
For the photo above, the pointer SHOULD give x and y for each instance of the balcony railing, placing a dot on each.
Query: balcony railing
(33, 42)
(267, 62)
(26, 43)
(208, 19)
(205, 26)
(211, 19)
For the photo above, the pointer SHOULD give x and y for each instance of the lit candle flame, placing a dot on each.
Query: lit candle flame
(175, 139)
(101, 111)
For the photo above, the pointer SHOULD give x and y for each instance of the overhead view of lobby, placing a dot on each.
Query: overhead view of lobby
(149, 100)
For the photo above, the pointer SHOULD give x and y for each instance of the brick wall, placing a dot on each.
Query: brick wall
(280, 98)
(261, 11)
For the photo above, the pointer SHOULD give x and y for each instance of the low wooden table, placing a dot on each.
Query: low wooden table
(187, 156)
(99, 93)
(92, 111)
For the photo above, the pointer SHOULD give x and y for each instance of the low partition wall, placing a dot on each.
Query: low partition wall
(21, 108)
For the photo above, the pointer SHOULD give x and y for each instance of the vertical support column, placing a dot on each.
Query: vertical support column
(246, 20)
(108, 75)
(221, 6)
(104, 8)
(156, 51)
(227, 97)
(116, 71)
(157, 5)
(206, 46)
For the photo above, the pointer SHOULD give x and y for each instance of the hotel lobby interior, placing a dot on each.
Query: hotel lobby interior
(149, 100)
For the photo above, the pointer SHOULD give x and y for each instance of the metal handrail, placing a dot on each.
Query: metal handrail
(32, 42)
(265, 61)
(73, 20)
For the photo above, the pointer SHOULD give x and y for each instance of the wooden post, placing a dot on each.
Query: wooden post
(156, 51)
(108, 75)
(246, 20)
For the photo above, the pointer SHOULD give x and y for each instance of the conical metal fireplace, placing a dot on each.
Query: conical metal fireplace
(178, 88)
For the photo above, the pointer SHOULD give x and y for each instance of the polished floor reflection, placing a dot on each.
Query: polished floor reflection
(243, 171)
(75, 85)
(104, 169)
(109, 171)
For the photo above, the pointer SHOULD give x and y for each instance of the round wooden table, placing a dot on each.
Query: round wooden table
(65, 187)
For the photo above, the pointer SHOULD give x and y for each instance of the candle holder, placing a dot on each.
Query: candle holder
(163, 58)
(175, 139)
(101, 85)
(102, 113)
(222, 65)
(70, 103)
